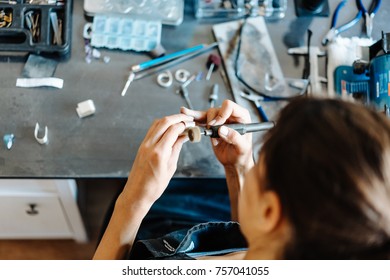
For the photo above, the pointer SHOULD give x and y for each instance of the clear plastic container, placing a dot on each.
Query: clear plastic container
(169, 12)
(272, 9)
(219, 8)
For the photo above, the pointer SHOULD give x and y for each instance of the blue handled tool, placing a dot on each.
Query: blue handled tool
(334, 31)
(256, 99)
(153, 66)
(362, 11)
(165, 58)
(369, 14)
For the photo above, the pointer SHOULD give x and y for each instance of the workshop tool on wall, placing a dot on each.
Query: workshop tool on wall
(212, 64)
(41, 140)
(159, 64)
(195, 133)
(213, 95)
(367, 81)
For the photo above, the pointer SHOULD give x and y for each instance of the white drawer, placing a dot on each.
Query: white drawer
(47, 220)
(27, 186)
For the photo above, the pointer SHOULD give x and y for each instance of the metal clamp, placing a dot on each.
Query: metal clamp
(44, 139)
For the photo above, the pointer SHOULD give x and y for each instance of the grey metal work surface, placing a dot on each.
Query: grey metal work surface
(105, 145)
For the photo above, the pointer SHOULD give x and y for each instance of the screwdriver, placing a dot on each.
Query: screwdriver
(213, 95)
(184, 92)
(195, 133)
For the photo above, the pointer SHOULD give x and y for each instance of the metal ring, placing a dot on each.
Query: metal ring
(182, 75)
(165, 79)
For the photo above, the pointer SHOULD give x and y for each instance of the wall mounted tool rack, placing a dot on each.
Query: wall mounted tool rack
(36, 26)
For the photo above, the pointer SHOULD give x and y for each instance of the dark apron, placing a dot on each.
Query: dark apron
(206, 239)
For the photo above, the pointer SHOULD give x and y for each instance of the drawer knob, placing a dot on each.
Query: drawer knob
(32, 211)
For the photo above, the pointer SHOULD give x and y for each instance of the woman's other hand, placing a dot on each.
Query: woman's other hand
(157, 157)
(231, 149)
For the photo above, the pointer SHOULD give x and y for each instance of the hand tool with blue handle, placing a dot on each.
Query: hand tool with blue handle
(165, 58)
(256, 99)
(334, 31)
(362, 11)
(369, 14)
(149, 67)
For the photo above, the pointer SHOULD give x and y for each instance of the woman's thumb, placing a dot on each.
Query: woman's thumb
(228, 134)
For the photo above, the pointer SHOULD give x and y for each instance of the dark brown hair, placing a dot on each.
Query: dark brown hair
(329, 162)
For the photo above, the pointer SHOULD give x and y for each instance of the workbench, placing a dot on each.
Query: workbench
(105, 145)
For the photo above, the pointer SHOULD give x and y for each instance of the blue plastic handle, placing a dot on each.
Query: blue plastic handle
(165, 58)
(263, 116)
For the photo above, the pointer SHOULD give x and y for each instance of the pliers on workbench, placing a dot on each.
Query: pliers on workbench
(369, 16)
(256, 99)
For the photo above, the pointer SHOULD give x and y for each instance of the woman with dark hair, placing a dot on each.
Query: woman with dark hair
(320, 189)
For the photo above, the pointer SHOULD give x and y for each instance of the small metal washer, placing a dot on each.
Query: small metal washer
(182, 75)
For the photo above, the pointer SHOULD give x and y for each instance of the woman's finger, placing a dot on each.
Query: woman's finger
(160, 126)
(171, 135)
(199, 116)
(230, 110)
(232, 137)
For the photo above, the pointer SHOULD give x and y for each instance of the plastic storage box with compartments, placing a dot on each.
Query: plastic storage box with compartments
(36, 26)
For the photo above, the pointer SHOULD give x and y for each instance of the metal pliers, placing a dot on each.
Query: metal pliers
(256, 100)
(369, 14)
(334, 31)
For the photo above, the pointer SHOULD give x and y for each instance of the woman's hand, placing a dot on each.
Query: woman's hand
(153, 167)
(232, 149)
(157, 157)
